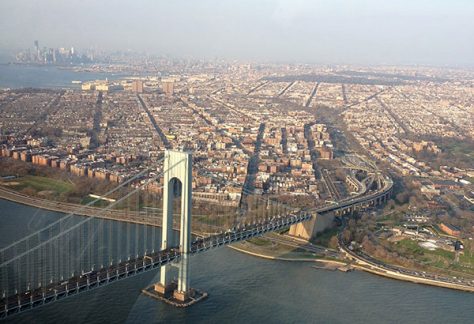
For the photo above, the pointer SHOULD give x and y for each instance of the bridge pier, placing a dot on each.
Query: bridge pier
(308, 229)
(183, 292)
(166, 284)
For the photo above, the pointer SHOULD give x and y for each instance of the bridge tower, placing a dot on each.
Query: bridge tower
(177, 182)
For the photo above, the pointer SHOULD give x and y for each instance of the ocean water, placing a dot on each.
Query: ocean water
(246, 289)
(42, 76)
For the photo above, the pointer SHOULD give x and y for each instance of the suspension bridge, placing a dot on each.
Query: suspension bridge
(136, 230)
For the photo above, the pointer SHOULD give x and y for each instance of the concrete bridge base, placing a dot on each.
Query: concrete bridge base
(308, 229)
(183, 296)
(320, 222)
(165, 290)
(176, 299)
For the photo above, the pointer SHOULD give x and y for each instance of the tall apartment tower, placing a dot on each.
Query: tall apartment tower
(137, 86)
(168, 87)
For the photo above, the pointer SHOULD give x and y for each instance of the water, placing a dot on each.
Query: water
(246, 289)
(43, 76)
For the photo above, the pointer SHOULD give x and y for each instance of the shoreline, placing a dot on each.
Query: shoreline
(412, 279)
(269, 257)
(369, 268)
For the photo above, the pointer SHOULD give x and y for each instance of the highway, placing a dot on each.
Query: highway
(402, 273)
(81, 210)
(330, 185)
(388, 184)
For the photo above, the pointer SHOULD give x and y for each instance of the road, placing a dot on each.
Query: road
(229, 107)
(330, 185)
(374, 95)
(257, 87)
(388, 184)
(402, 273)
(394, 116)
(97, 119)
(282, 92)
(153, 122)
(286, 240)
(344, 94)
(442, 118)
(313, 93)
(252, 168)
(216, 127)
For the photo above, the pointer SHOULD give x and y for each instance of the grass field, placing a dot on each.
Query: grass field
(259, 241)
(43, 184)
(439, 258)
(413, 248)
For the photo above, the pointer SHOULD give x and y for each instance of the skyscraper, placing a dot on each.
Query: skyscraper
(37, 51)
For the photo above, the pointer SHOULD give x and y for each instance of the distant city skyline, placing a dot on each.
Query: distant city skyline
(365, 32)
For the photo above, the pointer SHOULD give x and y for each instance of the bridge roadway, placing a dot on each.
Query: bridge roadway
(98, 278)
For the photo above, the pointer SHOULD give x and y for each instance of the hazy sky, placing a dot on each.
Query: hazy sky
(435, 32)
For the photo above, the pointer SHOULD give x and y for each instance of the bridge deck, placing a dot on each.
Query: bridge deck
(44, 295)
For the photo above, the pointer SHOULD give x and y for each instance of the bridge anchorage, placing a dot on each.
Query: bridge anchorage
(177, 183)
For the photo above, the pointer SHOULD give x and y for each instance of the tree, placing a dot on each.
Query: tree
(402, 197)
(28, 191)
(333, 242)
(346, 236)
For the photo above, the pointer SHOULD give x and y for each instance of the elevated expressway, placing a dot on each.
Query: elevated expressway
(365, 198)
